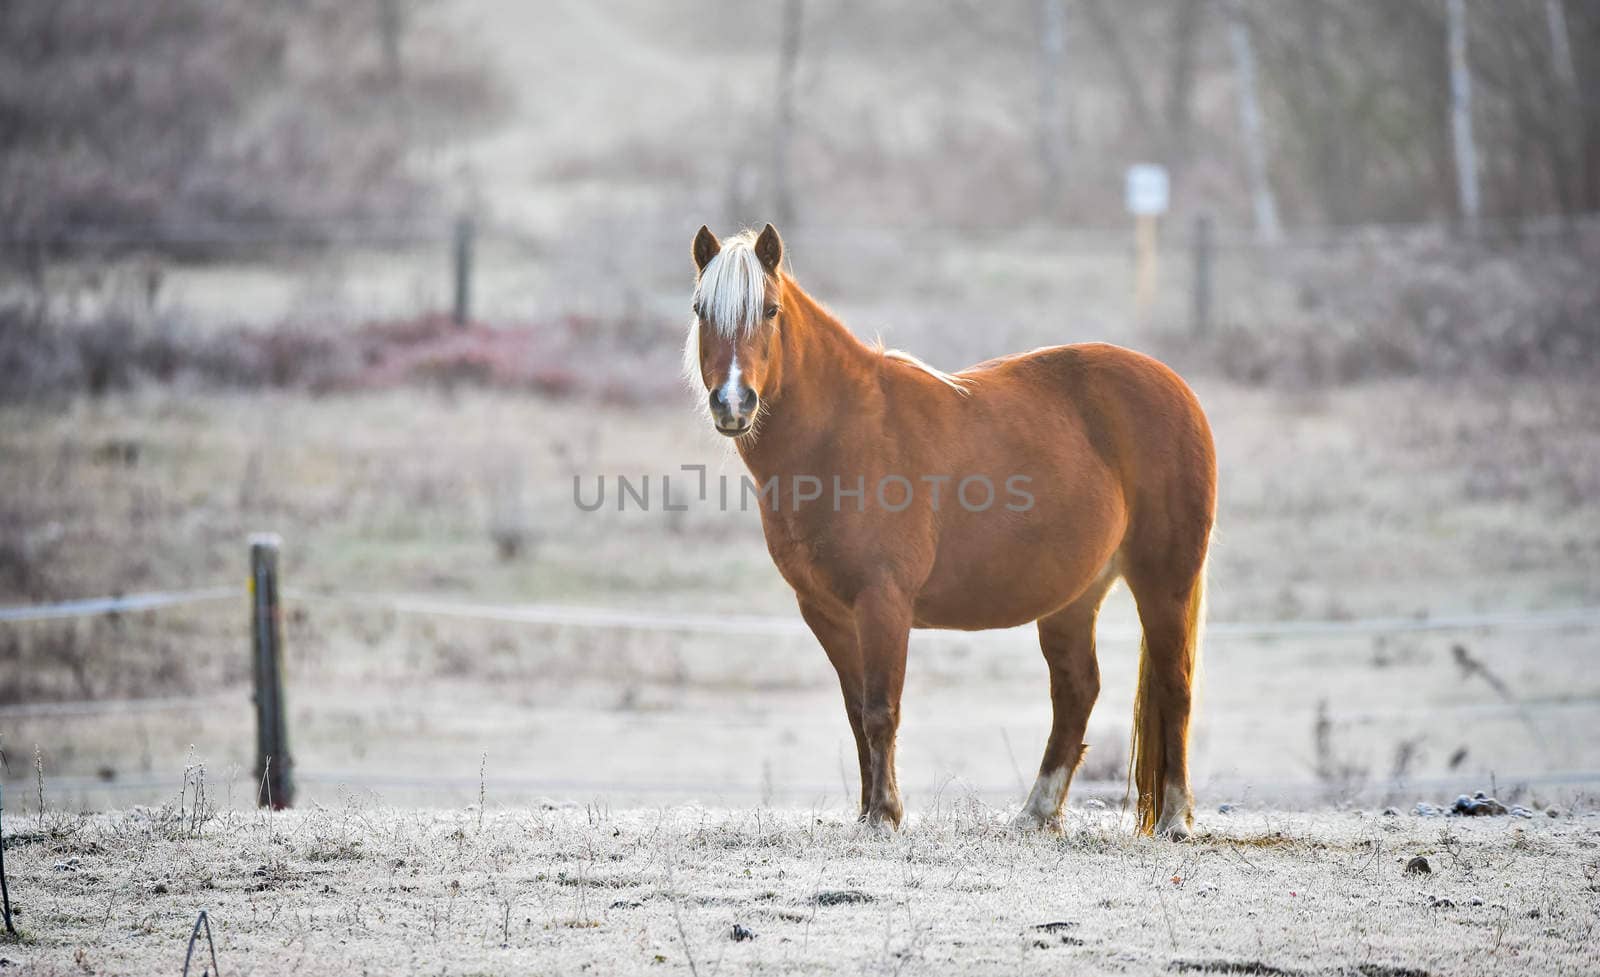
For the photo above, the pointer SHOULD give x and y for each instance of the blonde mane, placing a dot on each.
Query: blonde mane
(732, 290)
(956, 383)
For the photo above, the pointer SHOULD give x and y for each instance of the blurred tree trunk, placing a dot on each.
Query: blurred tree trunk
(1309, 99)
(389, 27)
(1262, 200)
(1322, 92)
(1433, 92)
(1466, 151)
(1180, 85)
(1588, 72)
(1566, 125)
(1052, 135)
(1127, 72)
(1165, 139)
(783, 138)
(1555, 16)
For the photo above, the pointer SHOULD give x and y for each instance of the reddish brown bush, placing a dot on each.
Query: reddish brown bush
(565, 358)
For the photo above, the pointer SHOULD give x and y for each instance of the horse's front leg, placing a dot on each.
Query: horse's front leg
(837, 635)
(883, 626)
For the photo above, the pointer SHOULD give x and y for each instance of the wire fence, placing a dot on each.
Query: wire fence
(244, 233)
(499, 785)
(578, 616)
(568, 616)
(487, 269)
(230, 234)
(128, 604)
(682, 623)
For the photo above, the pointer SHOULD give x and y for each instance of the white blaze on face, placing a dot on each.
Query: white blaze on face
(730, 387)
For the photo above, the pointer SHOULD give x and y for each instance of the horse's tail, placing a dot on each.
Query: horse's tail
(1147, 759)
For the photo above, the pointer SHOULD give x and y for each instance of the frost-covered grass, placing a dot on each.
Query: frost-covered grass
(573, 890)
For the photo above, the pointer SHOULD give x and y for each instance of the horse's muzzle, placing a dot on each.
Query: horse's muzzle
(734, 419)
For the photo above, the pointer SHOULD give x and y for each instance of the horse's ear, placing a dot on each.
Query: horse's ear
(706, 247)
(769, 249)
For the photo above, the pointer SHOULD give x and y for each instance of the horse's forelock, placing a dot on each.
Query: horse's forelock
(733, 287)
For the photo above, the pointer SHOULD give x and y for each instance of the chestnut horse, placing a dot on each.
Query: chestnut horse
(1017, 490)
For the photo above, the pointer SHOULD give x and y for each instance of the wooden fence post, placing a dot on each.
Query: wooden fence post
(274, 766)
(1201, 310)
(5, 894)
(1144, 266)
(465, 232)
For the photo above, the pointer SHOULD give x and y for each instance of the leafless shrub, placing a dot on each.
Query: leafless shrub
(1428, 305)
(195, 808)
(295, 355)
(33, 360)
(509, 529)
(51, 661)
(1339, 775)
(26, 552)
(191, 120)
(48, 661)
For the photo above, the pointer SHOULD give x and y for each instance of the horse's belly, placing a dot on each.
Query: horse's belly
(1001, 573)
(958, 614)
(979, 601)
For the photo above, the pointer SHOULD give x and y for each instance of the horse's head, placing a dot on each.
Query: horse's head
(737, 313)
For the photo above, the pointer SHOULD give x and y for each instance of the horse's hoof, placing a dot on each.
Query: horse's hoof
(1176, 831)
(1029, 821)
(884, 821)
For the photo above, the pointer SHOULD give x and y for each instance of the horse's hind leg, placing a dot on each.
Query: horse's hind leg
(1169, 594)
(1067, 640)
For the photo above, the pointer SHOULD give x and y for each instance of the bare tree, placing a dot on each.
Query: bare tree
(1555, 17)
(390, 24)
(1164, 138)
(1052, 136)
(1466, 151)
(1262, 200)
(1127, 72)
(1186, 28)
(1359, 107)
(209, 118)
(1565, 129)
(783, 136)
(1584, 20)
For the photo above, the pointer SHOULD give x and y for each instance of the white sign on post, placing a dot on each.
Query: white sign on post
(1147, 189)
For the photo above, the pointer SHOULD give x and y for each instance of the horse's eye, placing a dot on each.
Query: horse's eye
(697, 310)
(772, 312)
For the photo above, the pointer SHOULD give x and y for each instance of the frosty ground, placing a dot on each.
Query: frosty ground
(357, 889)
(1330, 508)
